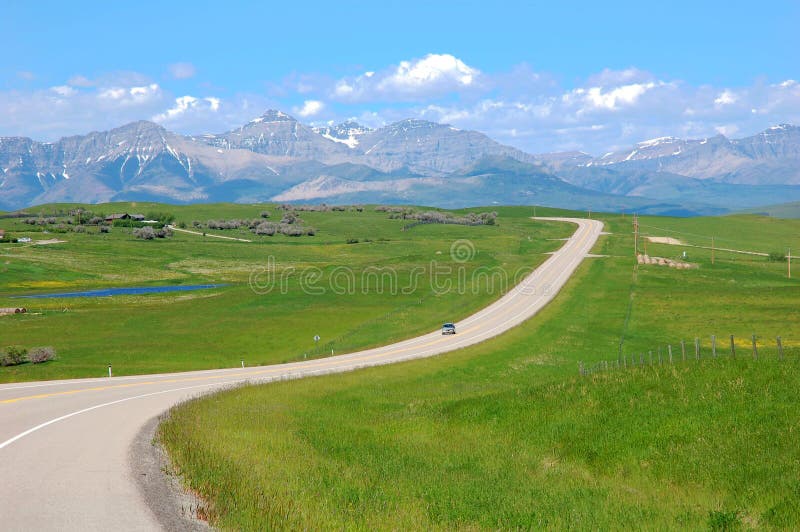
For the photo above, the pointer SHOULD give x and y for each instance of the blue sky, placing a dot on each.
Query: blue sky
(542, 76)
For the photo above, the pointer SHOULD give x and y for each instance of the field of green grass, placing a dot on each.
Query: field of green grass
(219, 327)
(506, 434)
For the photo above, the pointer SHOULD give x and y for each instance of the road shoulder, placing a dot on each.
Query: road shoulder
(173, 507)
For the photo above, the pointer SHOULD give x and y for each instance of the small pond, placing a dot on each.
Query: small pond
(128, 291)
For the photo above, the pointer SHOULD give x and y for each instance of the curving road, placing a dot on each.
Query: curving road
(64, 445)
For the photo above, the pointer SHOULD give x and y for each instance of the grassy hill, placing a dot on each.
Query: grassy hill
(374, 277)
(783, 210)
(506, 434)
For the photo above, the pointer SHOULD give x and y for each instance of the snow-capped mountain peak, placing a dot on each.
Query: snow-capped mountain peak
(657, 141)
(347, 133)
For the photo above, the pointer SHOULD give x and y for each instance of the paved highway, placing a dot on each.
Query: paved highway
(65, 445)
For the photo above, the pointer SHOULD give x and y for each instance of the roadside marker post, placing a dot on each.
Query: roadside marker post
(109, 370)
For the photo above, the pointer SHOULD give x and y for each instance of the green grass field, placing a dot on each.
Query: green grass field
(218, 328)
(506, 434)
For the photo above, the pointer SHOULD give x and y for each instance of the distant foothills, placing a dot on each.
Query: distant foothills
(276, 158)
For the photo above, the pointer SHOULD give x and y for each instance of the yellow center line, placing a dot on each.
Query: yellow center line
(281, 369)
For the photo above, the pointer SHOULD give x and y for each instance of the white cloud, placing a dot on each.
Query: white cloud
(309, 108)
(609, 99)
(597, 117)
(80, 81)
(131, 96)
(188, 104)
(182, 70)
(213, 103)
(726, 97)
(64, 90)
(431, 69)
(418, 79)
(26, 75)
(522, 107)
(727, 130)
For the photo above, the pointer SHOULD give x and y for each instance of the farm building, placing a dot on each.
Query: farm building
(2, 233)
(13, 310)
(125, 216)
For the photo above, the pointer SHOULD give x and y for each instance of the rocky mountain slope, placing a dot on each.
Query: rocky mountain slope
(275, 157)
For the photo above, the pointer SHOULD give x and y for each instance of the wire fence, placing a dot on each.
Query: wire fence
(683, 352)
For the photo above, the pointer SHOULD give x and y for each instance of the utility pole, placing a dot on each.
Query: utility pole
(635, 235)
(712, 250)
(789, 259)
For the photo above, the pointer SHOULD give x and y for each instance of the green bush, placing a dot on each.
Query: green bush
(13, 356)
(777, 256)
(163, 217)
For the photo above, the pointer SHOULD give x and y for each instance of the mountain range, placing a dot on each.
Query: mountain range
(276, 158)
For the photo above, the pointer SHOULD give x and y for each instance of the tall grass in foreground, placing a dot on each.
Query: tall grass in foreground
(693, 446)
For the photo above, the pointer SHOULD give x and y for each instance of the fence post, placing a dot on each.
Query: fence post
(780, 348)
(625, 360)
(697, 348)
(733, 348)
(683, 350)
(650, 357)
(580, 368)
(755, 348)
(713, 346)
(659, 356)
(641, 359)
(669, 347)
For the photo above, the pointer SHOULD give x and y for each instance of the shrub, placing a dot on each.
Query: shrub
(13, 355)
(95, 220)
(164, 232)
(105, 229)
(145, 233)
(777, 256)
(289, 218)
(37, 355)
(197, 223)
(224, 224)
(291, 230)
(352, 241)
(264, 214)
(265, 228)
(79, 229)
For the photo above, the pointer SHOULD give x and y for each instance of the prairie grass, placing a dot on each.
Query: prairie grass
(506, 434)
(219, 327)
